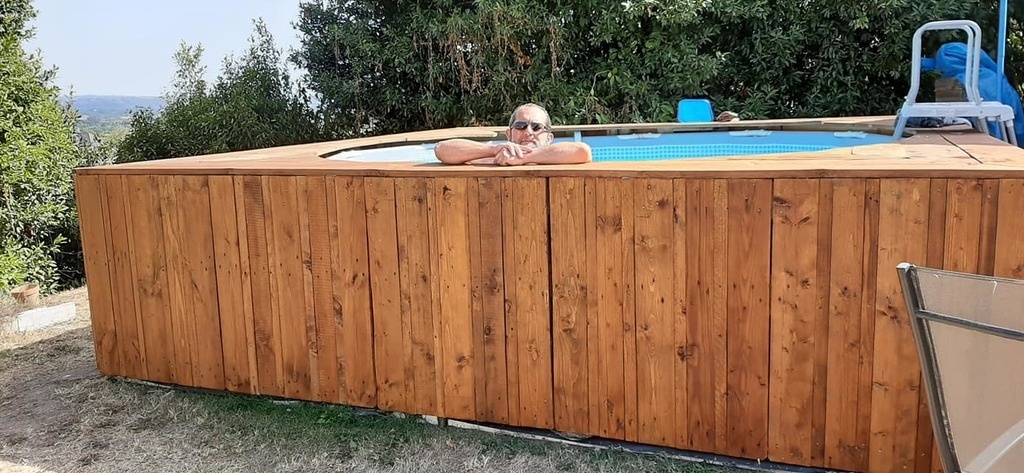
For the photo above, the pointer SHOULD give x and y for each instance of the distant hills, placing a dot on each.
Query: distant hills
(106, 113)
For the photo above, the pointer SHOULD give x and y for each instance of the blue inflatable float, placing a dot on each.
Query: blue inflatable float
(951, 61)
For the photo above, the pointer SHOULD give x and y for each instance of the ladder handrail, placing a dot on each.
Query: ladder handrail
(973, 65)
(975, 107)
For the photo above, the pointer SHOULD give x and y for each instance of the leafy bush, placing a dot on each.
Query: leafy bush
(389, 66)
(38, 218)
(252, 105)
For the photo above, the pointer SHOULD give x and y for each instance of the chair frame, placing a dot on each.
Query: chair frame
(919, 318)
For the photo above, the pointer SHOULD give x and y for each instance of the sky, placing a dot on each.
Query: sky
(126, 47)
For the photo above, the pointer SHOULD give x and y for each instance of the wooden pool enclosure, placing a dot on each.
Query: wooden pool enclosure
(747, 307)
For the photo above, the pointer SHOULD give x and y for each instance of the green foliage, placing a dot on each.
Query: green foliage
(388, 66)
(253, 104)
(38, 218)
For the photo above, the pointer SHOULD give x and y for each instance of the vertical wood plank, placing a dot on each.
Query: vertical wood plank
(872, 190)
(512, 329)
(488, 214)
(699, 391)
(405, 316)
(352, 309)
(198, 280)
(684, 347)
(450, 206)
(246, 274)
(963, 225)
(926, 448)
(595, 403)
(151, 285)
(988, 225)
(614, 268)
(476, 300)
(903, 226)
(273, 287)
(287, 284)
(794, 302)
(181, 323)
(319, 264)
(89, 198)
(843, 448)
(531, 300)
(655, 325)
(748, 302)
(1009, 251)
(269, 378)
(705, 312)
(389, 352)
(569, 304)
(719, 307)
(307, 310)
(957, 245)
(821, 321)
(629, 347)
(436, 314)
(230, 296)
(130, 334)
(411, 196)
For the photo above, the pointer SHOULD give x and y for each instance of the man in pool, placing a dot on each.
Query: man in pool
(529, 142)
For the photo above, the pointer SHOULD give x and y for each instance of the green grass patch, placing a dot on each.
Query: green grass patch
(381, 436)
(506, 446)
(618, 460)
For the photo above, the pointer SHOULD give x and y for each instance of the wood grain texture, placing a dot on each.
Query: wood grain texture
(454, 279)
(613, 293)
(269, 376)
(570, 311)
(90, 197)
(655, 323)
(351, 304)
(530, 300)
(903, 225)
(389, 351)
(131, 337)
(844, 447)
(151, 284)
(320, 290)
(490, 296)
(748, 257)
(794, 312)
(198, 282)
(411, 197)
(1009, 251)
(235, 320)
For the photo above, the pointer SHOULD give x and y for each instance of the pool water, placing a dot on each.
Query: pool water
(662, 146)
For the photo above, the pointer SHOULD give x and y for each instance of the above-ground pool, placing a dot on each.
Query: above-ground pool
(745, 306)
(661, 146)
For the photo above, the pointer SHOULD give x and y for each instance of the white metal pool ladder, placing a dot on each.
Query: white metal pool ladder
(974, 108)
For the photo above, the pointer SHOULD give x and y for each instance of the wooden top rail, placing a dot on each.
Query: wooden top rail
(949, 153)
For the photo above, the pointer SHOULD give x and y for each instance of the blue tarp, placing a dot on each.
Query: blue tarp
(951, 61)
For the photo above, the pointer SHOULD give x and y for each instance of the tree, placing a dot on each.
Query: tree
(252, 104)
(383, 66)
(38, 219)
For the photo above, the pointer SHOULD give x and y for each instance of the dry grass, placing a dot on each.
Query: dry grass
(60, 415)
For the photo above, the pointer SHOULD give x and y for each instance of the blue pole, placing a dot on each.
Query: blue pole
(1002, 36)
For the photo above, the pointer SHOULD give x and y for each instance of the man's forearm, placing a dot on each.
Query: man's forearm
(561, 153)
(459, 151)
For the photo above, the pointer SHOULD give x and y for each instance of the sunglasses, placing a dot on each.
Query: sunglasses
(536, 127)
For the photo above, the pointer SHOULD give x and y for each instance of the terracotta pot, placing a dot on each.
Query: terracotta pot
(26, 294)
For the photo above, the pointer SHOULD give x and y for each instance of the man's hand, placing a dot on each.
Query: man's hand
(511, 154)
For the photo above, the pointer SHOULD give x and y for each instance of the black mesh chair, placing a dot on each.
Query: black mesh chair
(969, 331)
